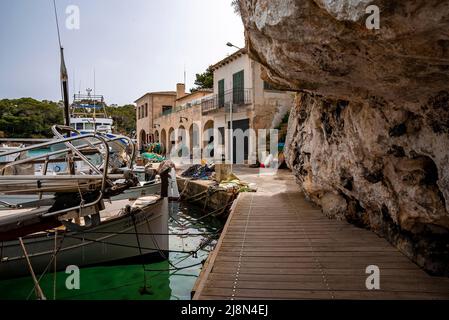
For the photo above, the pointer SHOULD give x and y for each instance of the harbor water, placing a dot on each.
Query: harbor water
(170, 279)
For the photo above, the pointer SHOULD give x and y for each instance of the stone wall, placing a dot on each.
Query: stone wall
(369, 134)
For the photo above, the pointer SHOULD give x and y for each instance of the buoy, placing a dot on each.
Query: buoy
(173, 192)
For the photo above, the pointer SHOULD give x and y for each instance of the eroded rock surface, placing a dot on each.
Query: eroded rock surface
(369, 135)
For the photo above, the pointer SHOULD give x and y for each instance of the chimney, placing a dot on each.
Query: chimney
(180, 90)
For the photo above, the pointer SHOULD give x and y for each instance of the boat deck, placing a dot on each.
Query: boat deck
(276, 245)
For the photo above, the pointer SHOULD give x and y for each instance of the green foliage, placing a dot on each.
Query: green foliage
(124, 118)
(28, 118)
(204, 80)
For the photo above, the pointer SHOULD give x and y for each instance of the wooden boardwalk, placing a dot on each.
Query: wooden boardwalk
(279, 246)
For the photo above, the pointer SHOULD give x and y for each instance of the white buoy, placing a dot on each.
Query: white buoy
(173, 192)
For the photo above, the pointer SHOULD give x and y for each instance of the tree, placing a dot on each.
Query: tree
(204, 80)
(29, 118)
(124, 118)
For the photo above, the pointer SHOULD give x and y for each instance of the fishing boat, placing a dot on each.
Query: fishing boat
(127, 232)
(87, 218)
(88, 114)
(91, 209)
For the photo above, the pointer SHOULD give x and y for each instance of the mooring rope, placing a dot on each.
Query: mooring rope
(144, 289)
(48, 265)
(39, 293)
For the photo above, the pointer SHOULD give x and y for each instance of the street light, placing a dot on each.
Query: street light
(180, 119)
(231, 131)
(231, 45)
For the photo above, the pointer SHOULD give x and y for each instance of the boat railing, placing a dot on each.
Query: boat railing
(99, 177)
(67, 183)
(59, 129)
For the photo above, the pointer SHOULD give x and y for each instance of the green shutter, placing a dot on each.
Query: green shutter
(238, 87)
(221, 93)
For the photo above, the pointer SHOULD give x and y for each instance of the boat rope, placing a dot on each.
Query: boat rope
(125, 245)
(49, 263)
(197, 196)
(55, 264)
(38, 290)
(57, 24)
(187, 182)
(144, 289)
(175, 268)
(163, 255)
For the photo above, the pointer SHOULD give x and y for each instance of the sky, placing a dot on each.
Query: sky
(132, 46)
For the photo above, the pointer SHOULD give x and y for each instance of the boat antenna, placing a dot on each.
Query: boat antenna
(74, 82)
(184, 74)
(63, 73)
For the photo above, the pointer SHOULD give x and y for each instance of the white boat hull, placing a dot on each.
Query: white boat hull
(115, 241)
(131, 193)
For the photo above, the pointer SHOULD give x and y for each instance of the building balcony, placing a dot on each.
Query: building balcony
(217, 102)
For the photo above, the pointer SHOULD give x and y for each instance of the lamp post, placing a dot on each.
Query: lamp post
(231, 131)
(180, 119)
(231, 45)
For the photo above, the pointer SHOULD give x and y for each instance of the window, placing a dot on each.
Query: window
(146, 109)
(79, 126)
(221, 130)
(269, 86)
(238, 86)
(221, 97)
(166, 110)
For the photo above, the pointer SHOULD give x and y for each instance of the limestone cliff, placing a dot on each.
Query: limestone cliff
(369, 135)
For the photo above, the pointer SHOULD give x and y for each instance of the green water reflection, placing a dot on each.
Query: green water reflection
(124, 282)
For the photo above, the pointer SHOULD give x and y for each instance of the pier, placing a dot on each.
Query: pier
(277, 245)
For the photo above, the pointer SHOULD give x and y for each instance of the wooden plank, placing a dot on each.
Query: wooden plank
(314, 271)
(278, 246)
(205, 272)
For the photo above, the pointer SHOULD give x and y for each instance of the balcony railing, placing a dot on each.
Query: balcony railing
(167, 112)
(180, 108)
(217, 102)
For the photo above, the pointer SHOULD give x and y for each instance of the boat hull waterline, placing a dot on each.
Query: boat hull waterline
(113, 240)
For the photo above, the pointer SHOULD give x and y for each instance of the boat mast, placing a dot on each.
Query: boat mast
(65, 89)
(63, 74)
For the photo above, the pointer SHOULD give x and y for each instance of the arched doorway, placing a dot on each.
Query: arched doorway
(171, 140)
(142, 139)
(182, 143)
(163, 140)
(194, 140)
(208, 140)
(156, 136)
(181, 135)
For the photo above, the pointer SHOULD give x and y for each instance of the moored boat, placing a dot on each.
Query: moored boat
(96, 213)
(128, 232)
